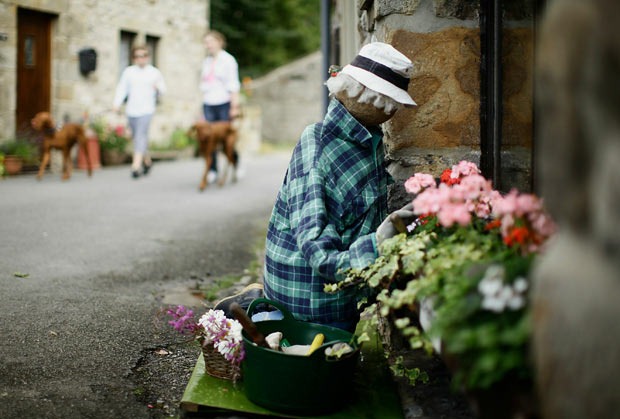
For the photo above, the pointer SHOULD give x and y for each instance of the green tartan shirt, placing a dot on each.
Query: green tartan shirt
(333, 198)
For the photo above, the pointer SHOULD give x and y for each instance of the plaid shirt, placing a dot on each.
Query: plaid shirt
(333, 198)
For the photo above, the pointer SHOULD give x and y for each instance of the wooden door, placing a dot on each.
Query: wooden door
(33, 66)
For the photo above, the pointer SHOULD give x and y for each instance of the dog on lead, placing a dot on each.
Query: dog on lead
(62, 139)
(214, 136)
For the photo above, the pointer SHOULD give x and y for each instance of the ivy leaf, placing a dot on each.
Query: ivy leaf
(363, 338)
(385, 273)
(21, 275)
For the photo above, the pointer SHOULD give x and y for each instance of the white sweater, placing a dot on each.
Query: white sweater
(140, 86)
(219, 78)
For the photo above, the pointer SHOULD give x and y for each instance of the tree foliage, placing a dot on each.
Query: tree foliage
(263, 35)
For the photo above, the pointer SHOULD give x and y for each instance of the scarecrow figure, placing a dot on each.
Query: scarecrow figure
(331, 210)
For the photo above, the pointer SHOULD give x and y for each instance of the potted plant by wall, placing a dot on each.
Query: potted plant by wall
(2, 169)
(18, 152)
(113, 143)
(179, 145)
(456, 282)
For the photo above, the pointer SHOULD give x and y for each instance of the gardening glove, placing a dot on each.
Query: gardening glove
(395, 223)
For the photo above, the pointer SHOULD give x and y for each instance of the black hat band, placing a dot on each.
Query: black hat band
(380, 70)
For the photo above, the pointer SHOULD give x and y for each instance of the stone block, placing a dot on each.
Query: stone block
(388, 7)
(445, 87)
(459, 9)
(576, 311)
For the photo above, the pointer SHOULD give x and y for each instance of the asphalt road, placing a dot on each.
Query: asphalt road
(83, 265)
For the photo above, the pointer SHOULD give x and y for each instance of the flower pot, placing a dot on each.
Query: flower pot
(13, 164)
(113, 157)
(94, 154)
(294, 384)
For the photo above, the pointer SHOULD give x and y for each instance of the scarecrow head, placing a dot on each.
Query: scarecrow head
(374, 85)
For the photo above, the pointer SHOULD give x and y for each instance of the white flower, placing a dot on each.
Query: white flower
(506, 293)
(493, 304)
(489, 286)
(495, 272)
(235, 330)
(223, 333)
(520, 285)
(516, 302)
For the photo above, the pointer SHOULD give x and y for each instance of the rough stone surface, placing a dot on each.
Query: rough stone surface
(460, 9)
(387, 7)
(442, 39)
(576, 311)
(289, 98)
(446, 67)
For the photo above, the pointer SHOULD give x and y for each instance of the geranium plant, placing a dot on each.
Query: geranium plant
(212, 328)
(111, 137)
(457, 279)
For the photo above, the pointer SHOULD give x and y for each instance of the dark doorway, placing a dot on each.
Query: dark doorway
(33, 67)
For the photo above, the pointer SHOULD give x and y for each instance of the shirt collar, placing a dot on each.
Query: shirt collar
(343, 125)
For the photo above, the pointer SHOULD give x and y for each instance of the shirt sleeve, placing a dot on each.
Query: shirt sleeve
(232, 83)
(203, 86)
(160, 84)
(122, 89)
(316, 232)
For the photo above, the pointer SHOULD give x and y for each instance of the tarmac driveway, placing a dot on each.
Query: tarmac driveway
(83, 265)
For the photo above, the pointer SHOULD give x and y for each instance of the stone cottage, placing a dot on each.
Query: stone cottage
(66, 57)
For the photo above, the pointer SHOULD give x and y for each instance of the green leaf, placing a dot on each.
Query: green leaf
(21, 275)
(363, 338)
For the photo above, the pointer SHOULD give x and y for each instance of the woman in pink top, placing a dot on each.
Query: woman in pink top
(219, 84)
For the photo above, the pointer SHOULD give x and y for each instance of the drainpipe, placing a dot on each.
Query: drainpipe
(325, 47)
(491, 90)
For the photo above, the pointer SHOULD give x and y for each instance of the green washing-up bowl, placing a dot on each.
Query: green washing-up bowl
(302, 385)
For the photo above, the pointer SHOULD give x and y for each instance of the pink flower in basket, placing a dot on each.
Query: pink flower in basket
(213, 328)
(223, 333)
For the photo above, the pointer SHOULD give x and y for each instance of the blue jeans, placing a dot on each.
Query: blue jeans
(215, 113)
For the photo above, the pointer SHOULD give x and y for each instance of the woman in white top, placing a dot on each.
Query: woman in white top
(219, 84)
(140, 84)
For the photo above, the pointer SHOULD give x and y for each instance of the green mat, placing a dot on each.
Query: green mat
(375, 394)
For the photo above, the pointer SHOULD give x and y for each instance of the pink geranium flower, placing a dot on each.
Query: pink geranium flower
(419, 182)
(464, 195)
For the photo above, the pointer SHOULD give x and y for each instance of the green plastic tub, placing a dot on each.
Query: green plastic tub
(301, 385)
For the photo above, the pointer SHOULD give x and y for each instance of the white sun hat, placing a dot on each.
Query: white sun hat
(382, 68)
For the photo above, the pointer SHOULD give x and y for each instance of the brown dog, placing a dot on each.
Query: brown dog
(63, 139)
(210, 136)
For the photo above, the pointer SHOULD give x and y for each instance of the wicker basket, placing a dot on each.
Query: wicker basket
(217, 366)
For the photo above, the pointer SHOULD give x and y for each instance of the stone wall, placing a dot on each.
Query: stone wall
(577, 283)
(289, 99)
(442, 39)
(97, 24)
